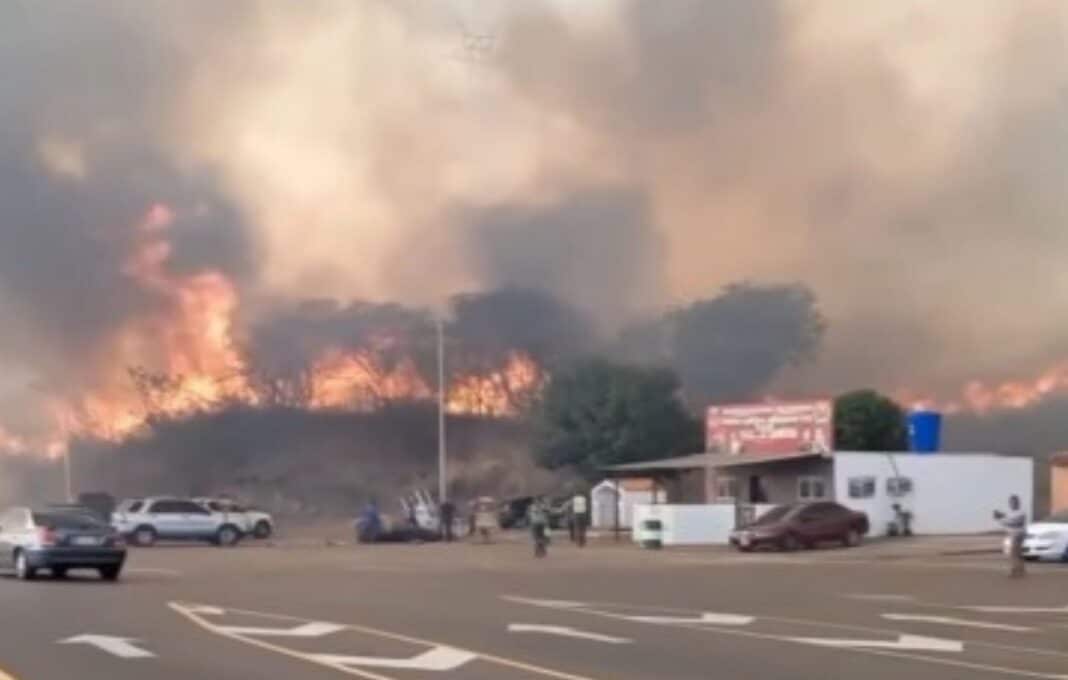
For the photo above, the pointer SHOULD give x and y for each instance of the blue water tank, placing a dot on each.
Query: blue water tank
(925, 431)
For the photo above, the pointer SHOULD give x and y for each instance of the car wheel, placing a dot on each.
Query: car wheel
(262, 529)
(23, 570)
(852, 538)
(144, 536)
(59, 572)
(227, 536)
(790, 543)
(110, 573)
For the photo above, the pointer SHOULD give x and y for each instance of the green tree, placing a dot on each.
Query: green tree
(596, 413)
(865, 420)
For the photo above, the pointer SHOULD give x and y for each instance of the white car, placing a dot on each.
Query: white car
(147, 520)
(1046, 540)
(255, 523)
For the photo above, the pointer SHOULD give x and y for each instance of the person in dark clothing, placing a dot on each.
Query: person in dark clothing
(538, 517)
(447, 512)
(579, 518)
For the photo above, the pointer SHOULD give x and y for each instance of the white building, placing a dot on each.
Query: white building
(947, 493)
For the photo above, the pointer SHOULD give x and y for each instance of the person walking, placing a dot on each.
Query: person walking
(580, 513)
(538, 517)
(1015, 523)
(447, 512)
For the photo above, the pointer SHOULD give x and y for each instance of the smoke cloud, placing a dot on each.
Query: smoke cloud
(904, 162)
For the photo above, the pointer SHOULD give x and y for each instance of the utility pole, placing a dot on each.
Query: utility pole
(442, 453)
(66, 474)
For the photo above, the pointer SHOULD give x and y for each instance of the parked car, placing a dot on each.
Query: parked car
(1046, 540)
(802, 525)
(99, 503)
(255, 523)
(175, 519)
(58, 540)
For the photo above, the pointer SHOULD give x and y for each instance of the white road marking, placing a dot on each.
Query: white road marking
(704, 618)
(903, 642)
(204, 610)
(876, 597)
(189, 611)
(440, 659)
(153, 570)
(1018, 610)
(898, 654)
(116, 646)
(567, 631)
(306, 630)
(552, 604)
(952, 621)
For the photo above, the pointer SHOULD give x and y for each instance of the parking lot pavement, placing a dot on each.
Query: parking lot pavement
(466, 611)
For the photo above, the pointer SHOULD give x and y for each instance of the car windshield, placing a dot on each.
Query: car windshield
(66, 520)
(776, 514)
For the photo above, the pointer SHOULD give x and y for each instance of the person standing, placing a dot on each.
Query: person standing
(580, 513)
(447, 512)
(538, 516)
(1015, 523)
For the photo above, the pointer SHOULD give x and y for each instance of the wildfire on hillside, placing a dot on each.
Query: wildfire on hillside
(981, 397)
(196, 364)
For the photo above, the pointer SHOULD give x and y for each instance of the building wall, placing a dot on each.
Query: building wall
(780, 480)
(951, 494)
(688, 524)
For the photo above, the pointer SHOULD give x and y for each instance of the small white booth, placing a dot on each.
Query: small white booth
(615, 499)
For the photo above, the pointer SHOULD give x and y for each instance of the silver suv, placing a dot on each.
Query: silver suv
(147, 520)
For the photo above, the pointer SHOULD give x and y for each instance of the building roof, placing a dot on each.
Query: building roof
(696, 461)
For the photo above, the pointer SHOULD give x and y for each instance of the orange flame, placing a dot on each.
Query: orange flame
(357, 380)
(981, 397)
(496, 394)
(193, 364)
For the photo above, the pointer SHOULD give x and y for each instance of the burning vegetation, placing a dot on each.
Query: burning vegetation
(192, 356)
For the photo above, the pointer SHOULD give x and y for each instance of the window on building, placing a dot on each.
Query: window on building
(811, 488)
(861, 487)
(898, 486)
(726, 489)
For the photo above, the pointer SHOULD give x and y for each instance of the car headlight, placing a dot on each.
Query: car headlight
(1048, 535)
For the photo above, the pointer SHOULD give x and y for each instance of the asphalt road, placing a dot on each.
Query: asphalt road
(493, 612)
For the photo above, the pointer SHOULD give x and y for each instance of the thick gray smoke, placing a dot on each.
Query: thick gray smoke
(732, 346)
(79, 170)
(597, 249)
(906, 163)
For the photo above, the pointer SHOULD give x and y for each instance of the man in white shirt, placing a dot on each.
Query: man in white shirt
(580, 517)
(1015, 523)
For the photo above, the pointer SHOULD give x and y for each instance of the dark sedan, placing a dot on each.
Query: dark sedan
(58, 540)
(802, 525)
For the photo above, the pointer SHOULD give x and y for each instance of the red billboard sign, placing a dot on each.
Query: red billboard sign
(774, 427)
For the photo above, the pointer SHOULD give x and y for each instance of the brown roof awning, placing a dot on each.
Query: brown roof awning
(698, 461)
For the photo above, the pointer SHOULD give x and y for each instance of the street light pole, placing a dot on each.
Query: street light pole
(66, 474)
(442, 480)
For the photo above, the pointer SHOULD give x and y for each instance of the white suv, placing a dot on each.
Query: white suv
(175, 519)
(256, 523)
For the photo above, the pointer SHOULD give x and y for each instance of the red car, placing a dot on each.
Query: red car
(802, 525)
